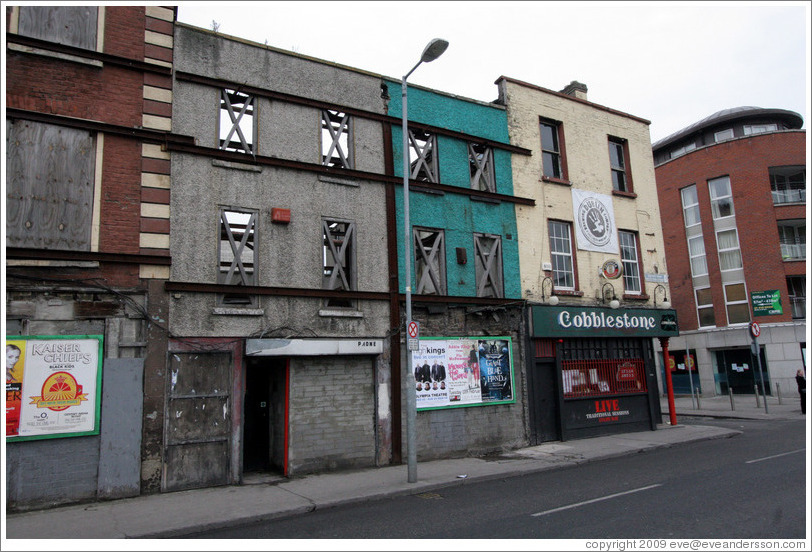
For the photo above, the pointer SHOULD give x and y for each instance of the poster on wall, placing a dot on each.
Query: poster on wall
(463, 371)
(53, 386)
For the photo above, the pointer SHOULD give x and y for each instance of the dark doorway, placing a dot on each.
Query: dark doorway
(264, 415)
(544, 403)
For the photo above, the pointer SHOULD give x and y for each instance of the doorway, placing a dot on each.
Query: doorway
(264, 416)
(545, 413)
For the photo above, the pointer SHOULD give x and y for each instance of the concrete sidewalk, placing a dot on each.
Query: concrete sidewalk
(185, 512)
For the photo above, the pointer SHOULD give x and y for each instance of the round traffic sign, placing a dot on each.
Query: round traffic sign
(755, 329)
(414, 329)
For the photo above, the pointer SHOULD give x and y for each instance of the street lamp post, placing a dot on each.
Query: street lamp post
(433, 50)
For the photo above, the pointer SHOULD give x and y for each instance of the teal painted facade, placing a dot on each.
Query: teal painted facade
(460, 216)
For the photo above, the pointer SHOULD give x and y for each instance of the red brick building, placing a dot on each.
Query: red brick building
(86, 202)
(732, 192)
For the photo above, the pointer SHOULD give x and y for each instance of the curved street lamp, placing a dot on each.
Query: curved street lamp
(432, 51)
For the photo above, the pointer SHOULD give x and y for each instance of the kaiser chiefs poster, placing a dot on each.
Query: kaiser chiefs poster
(53, 385)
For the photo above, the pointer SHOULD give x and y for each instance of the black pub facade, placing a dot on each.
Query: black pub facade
(592, 370)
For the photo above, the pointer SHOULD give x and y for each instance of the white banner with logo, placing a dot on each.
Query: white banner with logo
(594, 222)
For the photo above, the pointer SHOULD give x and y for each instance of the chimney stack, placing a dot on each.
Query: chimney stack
(576, 90)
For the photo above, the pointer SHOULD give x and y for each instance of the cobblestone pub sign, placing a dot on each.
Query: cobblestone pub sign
(566, 321)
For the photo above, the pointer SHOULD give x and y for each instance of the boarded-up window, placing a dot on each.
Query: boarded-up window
(429, 261)
(238, 254)
(70, 25)
(338, 253)
(237, 124)
(488, 250)
(49, 186)
(335, 139)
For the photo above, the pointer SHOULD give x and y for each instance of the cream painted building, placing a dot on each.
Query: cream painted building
(592, 263)
(585, 137)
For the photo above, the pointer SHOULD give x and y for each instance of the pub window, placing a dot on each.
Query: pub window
(619, 162)
(488, 253)
(480, 162)
(561, 255)
(238, 254)
(552, 150)
(336, 139)
(338, 254)
(429, 264)
(236, 125)
(631, 265)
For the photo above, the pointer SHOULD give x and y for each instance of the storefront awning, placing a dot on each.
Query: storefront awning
(313, 347)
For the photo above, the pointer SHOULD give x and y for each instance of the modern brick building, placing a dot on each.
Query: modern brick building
(88, 111)
(732, 192)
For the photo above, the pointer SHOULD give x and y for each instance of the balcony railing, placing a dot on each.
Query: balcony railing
(789, 196)
(793, 251)
(798, 306)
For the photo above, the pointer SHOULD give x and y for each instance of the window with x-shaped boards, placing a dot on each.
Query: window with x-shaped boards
(338, 254)
(488, 261)
(429, 261)
(236, 126)
(423, 156)
(237, 254)
(336, 139)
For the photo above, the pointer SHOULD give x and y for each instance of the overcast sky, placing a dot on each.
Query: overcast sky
(672, 63)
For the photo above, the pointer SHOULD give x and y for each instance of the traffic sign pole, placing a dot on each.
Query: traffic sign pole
(755, 331)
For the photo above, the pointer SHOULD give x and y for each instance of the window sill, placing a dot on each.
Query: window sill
(340, 313)
(237, 311)
(235, 165)
(52, 264)
(631, 297)
(57, 55)
(630, 195)
(559, 181)
(798, 260)
(338, 180)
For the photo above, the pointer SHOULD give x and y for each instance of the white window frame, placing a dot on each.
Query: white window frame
(725, 286)
(722, 135)
(692, 207)
(717, 201)
(563, 261)
(703, 306)
(759, 129)
(696, 257)
(727, 250)
(632, 283)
